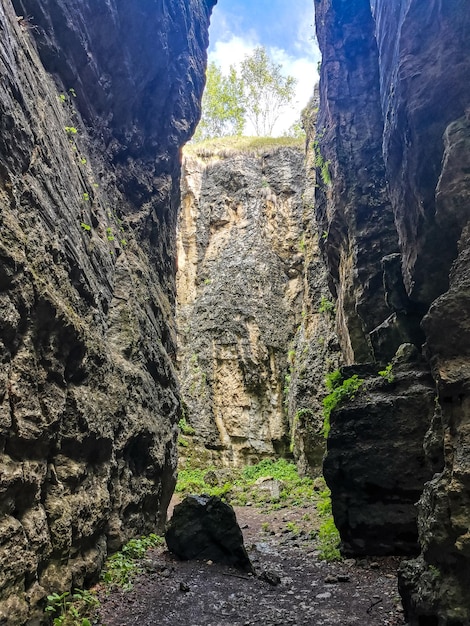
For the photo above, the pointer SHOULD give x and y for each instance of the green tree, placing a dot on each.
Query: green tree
(222, 105)
(266, 91)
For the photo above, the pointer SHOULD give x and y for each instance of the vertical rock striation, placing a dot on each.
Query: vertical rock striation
(240, 287)
(393, 121)
(96, 100)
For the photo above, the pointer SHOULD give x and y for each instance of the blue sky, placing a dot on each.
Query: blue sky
(284, 27)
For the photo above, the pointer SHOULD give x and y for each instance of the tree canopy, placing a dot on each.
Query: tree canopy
(257, 93)
(222, 105)
(266, 90)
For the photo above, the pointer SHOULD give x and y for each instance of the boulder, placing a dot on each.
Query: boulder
(205, 528)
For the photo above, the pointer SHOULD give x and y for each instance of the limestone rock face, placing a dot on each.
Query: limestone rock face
(96, 99)
(241, 258)
(393, 124)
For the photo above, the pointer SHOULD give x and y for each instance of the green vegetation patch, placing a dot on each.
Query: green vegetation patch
(328, 535)
(340, 390)
(67, 609)
(239, 486)
(224, 147)
(122, 567)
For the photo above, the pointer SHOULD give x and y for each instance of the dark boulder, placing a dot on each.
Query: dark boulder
(205, 528)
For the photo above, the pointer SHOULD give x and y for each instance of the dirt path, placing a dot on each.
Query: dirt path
(310, 592)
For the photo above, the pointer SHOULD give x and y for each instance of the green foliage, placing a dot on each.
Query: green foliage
(109, 234)
(340, 390)
(280, 469)
(291, 356)
(241, 487)
(329, 540)
(333, 380)
(72, 92)
(387, 373)
(67, 609)
(222, 108)
(267, 92)
(71, 130)
(326, 306)
(328, 534)
(122, 567)
(85, 226)
(321, 164)
(292, 528)
(62, 97)
(185, 428)
(86, 197)
(297, 131)
(258, 93)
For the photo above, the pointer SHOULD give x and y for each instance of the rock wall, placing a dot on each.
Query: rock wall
(394, 129)
(96, 99)
(247, 254)
(240, 281)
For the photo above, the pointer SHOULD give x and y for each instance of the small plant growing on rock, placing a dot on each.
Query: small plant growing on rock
(71, 130)
(185, 428)
(340, 390)
(387, 373)
(326, 306)
(85, 226)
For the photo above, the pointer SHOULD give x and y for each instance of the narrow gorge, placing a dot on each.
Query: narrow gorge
(159, 302)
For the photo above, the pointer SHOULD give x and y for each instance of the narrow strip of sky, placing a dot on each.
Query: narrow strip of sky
(284, 27)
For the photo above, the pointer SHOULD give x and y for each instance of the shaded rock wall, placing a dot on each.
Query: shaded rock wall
(96, 99)
(393, 121)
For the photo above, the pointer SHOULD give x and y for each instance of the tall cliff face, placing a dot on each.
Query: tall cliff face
(393, 124)
(247, 264)
(96, 99)
(240, 298)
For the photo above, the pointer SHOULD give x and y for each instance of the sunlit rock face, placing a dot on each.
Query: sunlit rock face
(240, 289)
(393, 124)
(96, 99)
(254, 341)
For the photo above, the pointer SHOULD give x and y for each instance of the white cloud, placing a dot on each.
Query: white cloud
(231, 52)
(303, 68)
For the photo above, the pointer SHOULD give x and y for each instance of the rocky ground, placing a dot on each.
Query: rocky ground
(292, 586)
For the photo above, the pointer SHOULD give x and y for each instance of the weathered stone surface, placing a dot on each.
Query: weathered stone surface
(375, 463)
(420, 99)
(88, 392)
(422, 129)
(205, 528)
(352, 205)
(240, 290)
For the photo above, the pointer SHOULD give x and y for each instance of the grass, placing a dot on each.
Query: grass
(328, 535)
(240, 487)
(296, 492)
(224, 147)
